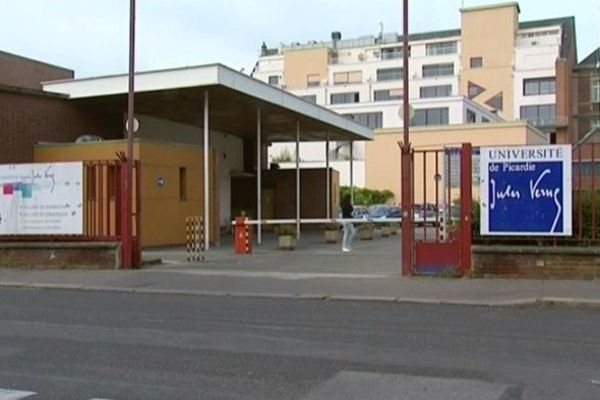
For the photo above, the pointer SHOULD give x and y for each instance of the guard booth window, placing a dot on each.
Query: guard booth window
(182, 184)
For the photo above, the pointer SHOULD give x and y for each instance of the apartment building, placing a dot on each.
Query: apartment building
(494, 68)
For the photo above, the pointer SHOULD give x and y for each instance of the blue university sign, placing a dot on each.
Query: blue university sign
(526, 191)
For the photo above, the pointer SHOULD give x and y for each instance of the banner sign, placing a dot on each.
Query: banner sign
(526, 191)
(41, 199)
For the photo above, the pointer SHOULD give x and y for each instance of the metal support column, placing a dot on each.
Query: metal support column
(206, 174)
(298, 179)
(352, 172)
(328, 180)
(258, 176)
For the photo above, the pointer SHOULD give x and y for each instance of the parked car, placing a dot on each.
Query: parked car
(425, 214)
(385, 212)
(360, 212)
(452, 211)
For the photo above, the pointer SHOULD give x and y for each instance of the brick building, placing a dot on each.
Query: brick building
(28, 115)
(587, 86)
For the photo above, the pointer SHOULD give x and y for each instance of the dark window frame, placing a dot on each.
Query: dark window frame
(348, 98)
(437, 70)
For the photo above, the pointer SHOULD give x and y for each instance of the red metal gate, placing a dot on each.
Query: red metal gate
(441, 211)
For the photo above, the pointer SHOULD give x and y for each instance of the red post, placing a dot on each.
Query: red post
(137, 242)
(407, 199)
(126, 241)
(466, 205)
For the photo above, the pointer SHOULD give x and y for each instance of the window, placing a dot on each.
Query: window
(341, 78)
(388, 94)
(539, 86)
(274, 80)
(390, 74)
(471, 117)
(595, 87)
(539, 115)
(345, 98)
(475, 90)
(310, 97)
(313, 80)
(434, 70)
(436, 91)
(476, 62)
(435, 49)
(496, 102)
(391, 53)
(431, 116)
(182, 184)
(373, 120)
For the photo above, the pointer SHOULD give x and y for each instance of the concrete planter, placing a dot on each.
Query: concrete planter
(287, 242)
(366, 233)
(332, 236)
(386, 231)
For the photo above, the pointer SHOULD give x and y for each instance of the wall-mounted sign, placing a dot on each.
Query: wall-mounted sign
(526, 191)
(41, 199)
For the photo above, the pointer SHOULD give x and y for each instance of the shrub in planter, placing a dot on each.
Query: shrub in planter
(332, 233)
(394, 228)
(385, 230)
(366, 231)
(286, 235)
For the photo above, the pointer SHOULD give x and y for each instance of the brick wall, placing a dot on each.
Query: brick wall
(25, 73)
(536, 262)
(28, 117)
(586, 112)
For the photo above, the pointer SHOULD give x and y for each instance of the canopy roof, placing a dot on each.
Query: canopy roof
(234, 98)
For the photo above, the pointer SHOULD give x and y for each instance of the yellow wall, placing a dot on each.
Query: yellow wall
(383, 154)
(163, 212)
(301, 63)
(490, 32)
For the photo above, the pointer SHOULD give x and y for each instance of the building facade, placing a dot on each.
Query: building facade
(494, 68)
(587, 86)
(29, 115)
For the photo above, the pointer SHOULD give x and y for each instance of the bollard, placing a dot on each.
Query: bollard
(194, 238)
(243, 237)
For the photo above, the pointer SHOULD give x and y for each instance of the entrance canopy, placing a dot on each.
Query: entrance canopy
(178, 95)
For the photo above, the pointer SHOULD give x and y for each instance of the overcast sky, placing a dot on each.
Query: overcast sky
(90, 36)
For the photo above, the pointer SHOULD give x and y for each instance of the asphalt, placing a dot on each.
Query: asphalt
(84, 345)
(314, 271)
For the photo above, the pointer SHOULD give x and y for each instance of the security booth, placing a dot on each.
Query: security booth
(202, 147)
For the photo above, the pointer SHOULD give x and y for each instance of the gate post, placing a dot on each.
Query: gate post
(407, 212)
(466, 207)
(126, 223)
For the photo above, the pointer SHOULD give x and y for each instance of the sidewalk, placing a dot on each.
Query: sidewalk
(315, 271)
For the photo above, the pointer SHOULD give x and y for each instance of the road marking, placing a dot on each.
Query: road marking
(6, 394)
(595, 382)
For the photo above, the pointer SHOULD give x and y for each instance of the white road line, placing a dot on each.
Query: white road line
(595, 382)
(6, 394)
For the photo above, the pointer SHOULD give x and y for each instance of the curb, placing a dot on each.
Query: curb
(546, 301)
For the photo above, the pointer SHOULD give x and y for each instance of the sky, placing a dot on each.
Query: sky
(91, 36)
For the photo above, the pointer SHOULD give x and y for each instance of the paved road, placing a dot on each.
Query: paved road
(94, 345)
